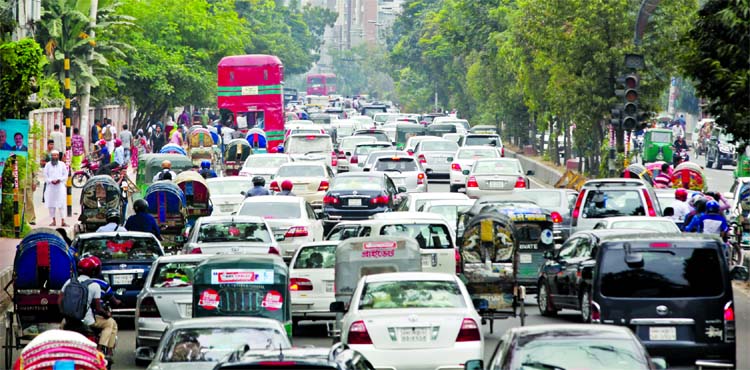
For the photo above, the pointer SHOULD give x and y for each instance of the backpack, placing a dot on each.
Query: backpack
(165, 175)
(107, 133)
(75, 299)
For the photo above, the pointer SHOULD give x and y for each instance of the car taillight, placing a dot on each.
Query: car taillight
(455, 167)
(334, 160)
(354, 160)
(596, 312)
(329, 199)
(274, 186)
(196, 251)
(472, 182)
(520, 183)
(273, 250)
(556, 217)
(296, 231)
(576, 209)
(469, 331)
(342, 155)
(148, 308)
(422, 159)
(299, 284)
(502, 152)
(277, 363)
(729, 311)
(649, 204)
(323, 186)
(457, 255)
(358, 333)
(660, 245)
(729, 324)
(380, 199)
(420, 179)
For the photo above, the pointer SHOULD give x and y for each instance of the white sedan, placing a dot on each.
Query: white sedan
(311, 279)
(416, 321)
(226, 194)
(264, 165)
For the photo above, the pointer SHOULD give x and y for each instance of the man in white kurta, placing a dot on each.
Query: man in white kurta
(55, 175)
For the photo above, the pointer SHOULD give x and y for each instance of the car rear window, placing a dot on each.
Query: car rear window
(316, 257)
(270, 210)
(612, 203)
(438, 146)
(268, 161)
(545, 199)
(654, 225)
(666, 273)
(173, 275)
(213, 344)
(398, 164)
(477, 153)
(371, 183)
(482, 140)
(498, 167)
(301, 171)
(351, 142)
(380, 136)
(130, 248)
(428, 236)
(309, 144)
(362, 150)
(411, 294)
(223, 232)
(231, 187)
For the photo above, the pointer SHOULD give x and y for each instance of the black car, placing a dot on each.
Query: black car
(339, 357)
(358, 196)
(380, 135)
(126, 261)
(674, 291)
(720, 150)
(568, 346)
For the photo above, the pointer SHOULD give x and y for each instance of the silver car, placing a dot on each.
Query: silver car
(404, 171)
(436, 156)
(317, 147)
(346, 148)
(656, 224)
(495, 176)
(263, 165)
(167, 296)
(361, 151)
(373, 156)
(226, 194)
(199, 344)
(464, 160)
(231, 234)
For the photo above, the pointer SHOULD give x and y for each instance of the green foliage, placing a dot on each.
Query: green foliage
(20, 62)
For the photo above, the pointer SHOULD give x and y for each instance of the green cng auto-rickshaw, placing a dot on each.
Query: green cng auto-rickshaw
(657, 145)
(150, 164)
(406, 130)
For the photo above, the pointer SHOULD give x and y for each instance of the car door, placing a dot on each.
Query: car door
(560, 289)
(390, 190)
(573, 271)
(317, 225)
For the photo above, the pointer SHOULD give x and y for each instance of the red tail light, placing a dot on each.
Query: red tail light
(660, 245)
(299, 284)
(455, 167)
(469, 331)
(380, 199)
(730, 329)
(649, 204)
(596, 312)
(472, 182)
(148, 308)
(273, 250)
(520, 183)
(296, 231)
(556, 217)
(354, 160)
(323, 186)
(457, 255)
(196, 251)
(275, 186)
(729, 312)
(328, 199)
(422, 159)
(277, 363)
(342, 155)
(358, 333)
(576, 209)
(502, 152)
(334, 159)
(420, 179)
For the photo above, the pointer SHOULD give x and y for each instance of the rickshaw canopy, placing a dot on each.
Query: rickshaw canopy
(200, 138)
(153, 166)
(165, 199)
(639, 171)
(195, 188)
(172, 149)
(43, 261)
(256, 138)
(101, 192)
(689, 175)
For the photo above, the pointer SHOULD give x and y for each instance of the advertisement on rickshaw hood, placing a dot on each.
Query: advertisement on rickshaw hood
(241, 276)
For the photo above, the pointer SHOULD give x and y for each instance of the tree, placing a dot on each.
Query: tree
(21, 62)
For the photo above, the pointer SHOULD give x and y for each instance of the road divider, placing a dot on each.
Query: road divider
(543, 173)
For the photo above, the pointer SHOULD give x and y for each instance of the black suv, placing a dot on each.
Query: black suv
(674, 291)
(720, 150)
(339, 357)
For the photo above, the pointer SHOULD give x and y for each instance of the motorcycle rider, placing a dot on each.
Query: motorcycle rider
(710, 222)
(663, 180)
(113, 222)
(698, 205)
(206, 170)
(259, 188)
(142, 220)
(681, 208)
(286, 188)
(679, 146)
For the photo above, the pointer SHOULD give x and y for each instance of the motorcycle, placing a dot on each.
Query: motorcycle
(679, 157)
(88, 169)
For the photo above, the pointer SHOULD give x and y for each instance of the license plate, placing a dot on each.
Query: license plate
(122, 279)
(414, 335)
(355, 202)
(427, 260)
(496, 184)
(662, 333)
(226, 207)
(329, 286)
(525, 258)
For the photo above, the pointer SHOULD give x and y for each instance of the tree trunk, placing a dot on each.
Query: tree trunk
(86, 94)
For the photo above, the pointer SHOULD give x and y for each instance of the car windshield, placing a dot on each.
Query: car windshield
(301, 171)
(612, 203)
(213, 344)
(482, 140)
(231, 231)
(477, 153)
(127, 248)
(666, 273)
(350, 142)
(596, 353)
(365, 149)
(450, 212)
(496, 168)
(398, 165)
(271, 210)
(173, 275)
(545, 199)
(663, 226)
(316, 257)
(304, 132)
(438, 146)
(411, 294)
(309, 144)
(232, 187)
(428, 236)
(265, 161)
(372, 183)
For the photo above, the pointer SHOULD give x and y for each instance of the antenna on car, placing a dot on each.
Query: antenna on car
(281, 352)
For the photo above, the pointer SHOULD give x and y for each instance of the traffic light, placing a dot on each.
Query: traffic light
(616, 119)
(629, 94)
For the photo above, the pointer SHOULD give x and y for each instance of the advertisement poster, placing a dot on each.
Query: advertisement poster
(14, 138)
(241, 276)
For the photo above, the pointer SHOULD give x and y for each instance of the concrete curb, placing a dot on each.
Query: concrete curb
(543, 173)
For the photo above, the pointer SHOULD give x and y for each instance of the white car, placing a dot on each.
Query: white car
(403, 170)
(364, 122)
(311, 279)
(412, 142)
(292, 220)
(413, 201)
(436, 156)
(231, 235)
(310, 180)
(450, 209)
(263, 165)
(464, 160)
(413, 320)
(346, 148)
(372, 157)
(226, 194)
(312, 147)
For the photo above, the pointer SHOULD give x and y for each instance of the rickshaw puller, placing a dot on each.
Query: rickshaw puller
(142, 220)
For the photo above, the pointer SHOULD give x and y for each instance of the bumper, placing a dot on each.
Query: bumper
(127, 308)
(418, 189)
(457, 178)
(476, 193)
(288, 247)
(312, 308)
(336, 215)
(442, 172)
(148, 331)
(451, 358)
(342, 165)
(688, 352)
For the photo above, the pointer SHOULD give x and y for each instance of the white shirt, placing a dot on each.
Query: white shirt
(227, 132)
(59, 139)
(120, 155)
(55, 195)
(95, 292)
(681, 209)
(110, 227)
(156, 177)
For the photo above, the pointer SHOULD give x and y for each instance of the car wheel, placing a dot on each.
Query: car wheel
(454, 188)
(718, 163)
(586, 306)
(709, 163)
(546, 308)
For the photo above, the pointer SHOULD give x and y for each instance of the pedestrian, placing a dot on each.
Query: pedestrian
(55, 175)
(184, 118)
(157, 139)
(119, 154)
(108, 135)
(142, 220)
(46, 159)
(127, 141)
(140, 148)
(78, 148)
(95, 134)
(59, 139)
(176, 137)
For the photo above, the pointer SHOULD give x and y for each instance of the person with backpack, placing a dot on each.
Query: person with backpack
(206, 170)
(80, 303)
(166, 172)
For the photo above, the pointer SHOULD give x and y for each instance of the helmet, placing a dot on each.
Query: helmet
(712, 206)
(102, 142)
(259, 181)
(113, 215)
(140, 205)
(166, 164)
(89, 266)
(695, 199)
(206, 164)
(287, 185)
(680, 194)
(118, 142)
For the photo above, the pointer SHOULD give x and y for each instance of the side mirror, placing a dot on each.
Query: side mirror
(410, 151)
(348, 153)
(634, 260)
(450, 159)
(529, 173)
(465, 172)
(145, 353)
(659, 362)
(243, 193)
(402, 189)
(280, 238)
(668, 212)
(139, 282)
(739, 273)
(550, 255)
(474, 365)
(480, 304)
(337, 306)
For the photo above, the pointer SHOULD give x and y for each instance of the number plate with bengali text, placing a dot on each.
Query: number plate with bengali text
(525, 258)
(354, 202)
(413, 335)
(662, 333)
(122, 279)
(496, 184)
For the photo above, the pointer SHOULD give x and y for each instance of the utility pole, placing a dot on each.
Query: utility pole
(66, 117)
(86, 94)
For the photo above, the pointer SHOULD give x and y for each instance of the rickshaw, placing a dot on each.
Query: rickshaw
(172, 149)
(406, 130)
(257, 140)
(151, 165)
(243, 285)
(197, 197)
(689, 175)
(358, 257)
(639, 171)
(235, 154)
(43, 263)
(654, 168)
(100, 194)
(743, 164)
(201, 145)
(657, 145)
(490, 266)
(438, 129)
(166, 202)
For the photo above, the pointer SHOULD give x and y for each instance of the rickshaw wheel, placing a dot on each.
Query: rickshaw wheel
(523, 314)
(8, 339)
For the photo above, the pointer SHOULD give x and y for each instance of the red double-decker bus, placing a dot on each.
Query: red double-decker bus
(321, 84)
(250, 87)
